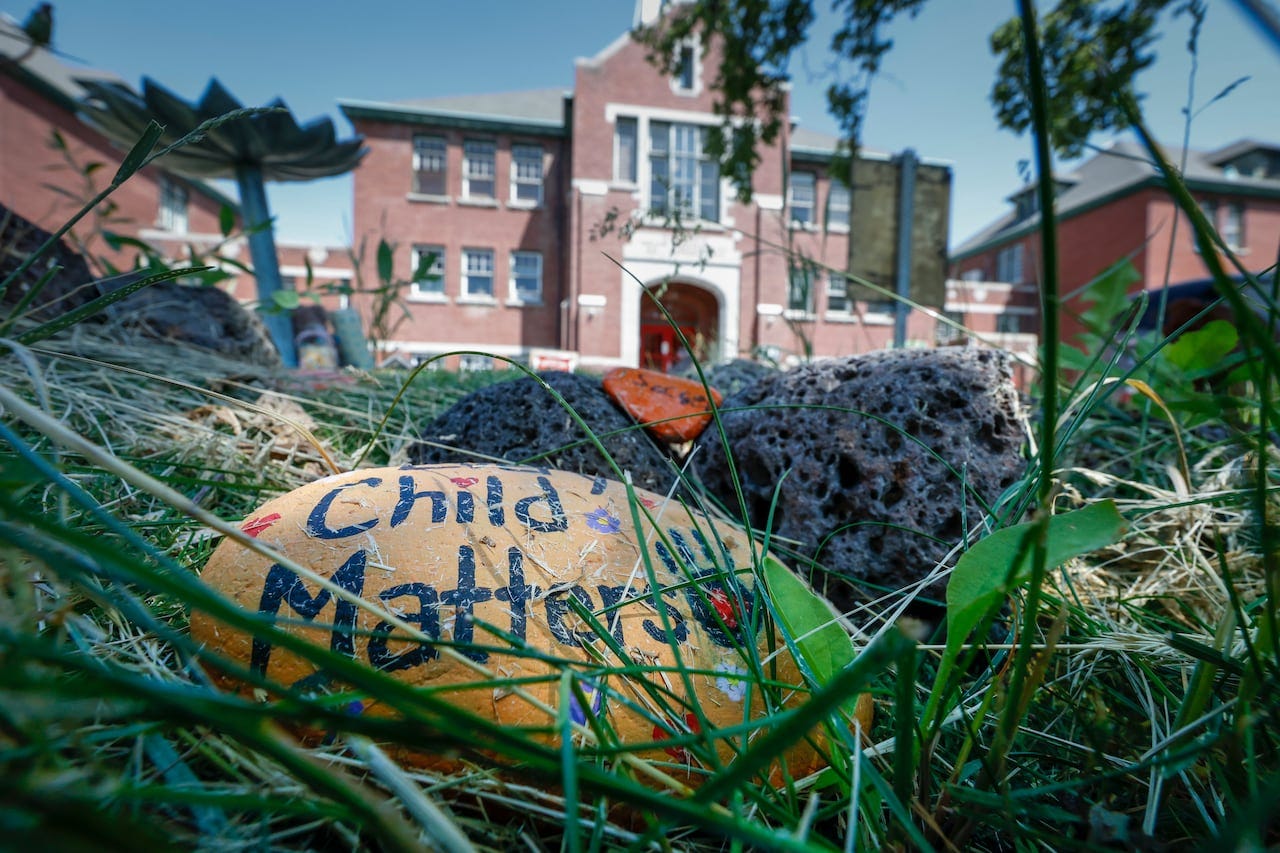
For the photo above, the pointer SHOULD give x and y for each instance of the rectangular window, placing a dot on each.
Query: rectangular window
(802, 195)
(974, 274)
(880, 309)
(686, 67)
(173, 206)
(471, 363)
(1009, 324)
(427, 270)
(526, 277)
(625, 136)
(683, 178)
(945, 333)
(838, 301)
(477, 274)
(838, 206)
(478, 170)
(526, 175)
(800, 289)
(1233, 226)
(1009, 264)
(428, 165)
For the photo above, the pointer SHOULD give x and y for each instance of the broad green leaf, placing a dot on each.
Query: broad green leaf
(226, 220)
(1109, 293)
(286, 299)
(996, 565)
(385, 267)
(1203, 349)
(137, 156)
(810, 621)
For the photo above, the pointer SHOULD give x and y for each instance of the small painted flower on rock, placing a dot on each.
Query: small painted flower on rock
(724, 606)
(594, 698)
(600, 520)
(463, 482)
(255, 526)
(679, 753)
(732, 684)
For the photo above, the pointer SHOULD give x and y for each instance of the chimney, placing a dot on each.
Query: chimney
(647, 12)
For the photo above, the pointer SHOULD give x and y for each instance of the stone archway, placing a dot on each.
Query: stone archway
(695, 310)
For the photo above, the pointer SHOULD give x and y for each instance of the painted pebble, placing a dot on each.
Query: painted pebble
(652, 397)
(479, 558)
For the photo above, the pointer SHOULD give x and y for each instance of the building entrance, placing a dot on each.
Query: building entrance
(696, 312)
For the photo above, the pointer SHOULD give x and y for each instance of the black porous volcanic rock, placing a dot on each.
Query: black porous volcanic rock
(66, 290)
(858, 481)
(518, 420)
(730, 377)
(200, 315)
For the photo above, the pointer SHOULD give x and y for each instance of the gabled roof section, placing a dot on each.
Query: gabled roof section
(536, 111)
(1119, 170)
(42, 69)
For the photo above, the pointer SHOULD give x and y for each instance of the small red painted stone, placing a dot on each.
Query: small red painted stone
(650, 396)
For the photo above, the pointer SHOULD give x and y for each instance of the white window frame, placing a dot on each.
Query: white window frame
(474, 363)
(479, 166)
(1009, 264)
(795, 311)
(1233, 233)
(838, 214)
(474, 266)
(416, 291)
(675, 157)
(526, 159)
(438, 157)
(795, 203)
(838, 292)
(692, 65)
(514, 296)
(174, 205)
(626, 169)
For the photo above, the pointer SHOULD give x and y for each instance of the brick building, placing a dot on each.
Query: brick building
(1115, 206)
(52, 163)
(550, 215)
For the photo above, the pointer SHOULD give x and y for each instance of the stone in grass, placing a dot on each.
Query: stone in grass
(519, 420)
(673, 409)
(880, 507)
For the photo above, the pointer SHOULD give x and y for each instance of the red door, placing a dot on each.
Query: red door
(660, 346)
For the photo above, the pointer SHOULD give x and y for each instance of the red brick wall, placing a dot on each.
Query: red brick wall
(1258, 251)
(384, 209)
(29, 164)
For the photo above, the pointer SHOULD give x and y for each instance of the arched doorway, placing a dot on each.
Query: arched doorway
(694, 309)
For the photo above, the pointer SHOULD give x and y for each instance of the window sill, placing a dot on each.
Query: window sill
(524, 205)
(483, 301)
(429, 199)
(837, 228)
(624, 186)
(796, 225)
(802, 316)
(478, 202)
(429, 298)
(841, 317)
(877, 319)
(524, 303)
(653, 220)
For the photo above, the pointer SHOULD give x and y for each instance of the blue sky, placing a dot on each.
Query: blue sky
(931, 95)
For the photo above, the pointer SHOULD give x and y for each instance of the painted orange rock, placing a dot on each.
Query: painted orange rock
(494, 586)
(653, 398)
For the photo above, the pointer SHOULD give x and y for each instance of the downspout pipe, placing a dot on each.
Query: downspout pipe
(907, 163)
(266, 265)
